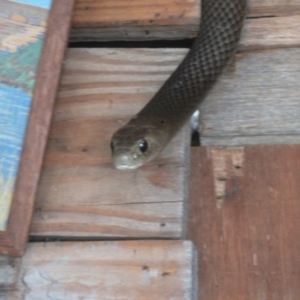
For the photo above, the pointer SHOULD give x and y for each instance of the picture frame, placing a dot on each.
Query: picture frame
(14, 237)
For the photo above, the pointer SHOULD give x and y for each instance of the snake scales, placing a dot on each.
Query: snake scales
(147, 133)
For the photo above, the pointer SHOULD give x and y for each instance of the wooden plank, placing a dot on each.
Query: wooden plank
(268, 33)
(101, 270)
(133, 20)
(245, 222)
(170, 19)
(260, 8)
(255, 102)
(81, 193)
(14, 239)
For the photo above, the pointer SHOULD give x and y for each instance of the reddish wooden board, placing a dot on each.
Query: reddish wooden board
(13, 239)
(245, 222)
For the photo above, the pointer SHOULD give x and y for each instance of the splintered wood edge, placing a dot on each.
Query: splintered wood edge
(14, 239)
(171, 267)
(246, 200)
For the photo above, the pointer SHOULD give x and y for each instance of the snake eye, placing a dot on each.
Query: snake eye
(143, 145)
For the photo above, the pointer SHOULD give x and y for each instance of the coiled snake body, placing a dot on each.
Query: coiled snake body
(147, 134)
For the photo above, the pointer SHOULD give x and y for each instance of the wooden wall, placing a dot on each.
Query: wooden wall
(244, 208)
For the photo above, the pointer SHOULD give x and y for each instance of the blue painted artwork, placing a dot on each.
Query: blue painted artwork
(40, 3)
(22, 31)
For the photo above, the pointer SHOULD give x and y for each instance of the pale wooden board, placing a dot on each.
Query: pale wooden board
(255, 102)
(169, 19)
(132, 270)
(81, 193)
(261, 8)
(266, 33)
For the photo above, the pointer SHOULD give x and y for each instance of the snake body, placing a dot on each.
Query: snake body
(147, 133)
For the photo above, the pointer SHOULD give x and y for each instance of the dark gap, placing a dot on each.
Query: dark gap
(195, 139)
(39, 239)
(186, 43)
(261, 17)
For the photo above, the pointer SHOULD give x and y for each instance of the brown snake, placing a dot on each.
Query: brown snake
(147, 133)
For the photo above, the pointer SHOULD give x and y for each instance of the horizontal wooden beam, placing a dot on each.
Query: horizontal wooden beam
(102, 270)
(275, 24)
(267, 8)
(270, 33)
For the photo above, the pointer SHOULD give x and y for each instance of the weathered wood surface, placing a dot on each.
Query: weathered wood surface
(80, 192)
(134, 20)
(170, 19)
(245, 222)
(13, 240)
(266, 33)
(101, 270)
(255, 102)
(267, 8)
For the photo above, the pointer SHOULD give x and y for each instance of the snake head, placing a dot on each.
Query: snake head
(134, 146)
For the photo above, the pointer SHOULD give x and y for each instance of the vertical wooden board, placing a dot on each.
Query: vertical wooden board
(244, 220)
(132, 270)
(81, 193)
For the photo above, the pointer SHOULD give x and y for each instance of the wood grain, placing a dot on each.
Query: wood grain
(81, 194)
(261, 8)
(275, 23)
(255, 102)
(244, 220)
(270, 33)
(14, 239)
(133, 270)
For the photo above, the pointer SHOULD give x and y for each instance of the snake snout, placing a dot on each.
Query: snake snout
(124, 162)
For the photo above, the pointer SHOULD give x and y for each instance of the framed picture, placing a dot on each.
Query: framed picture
(33, 38)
